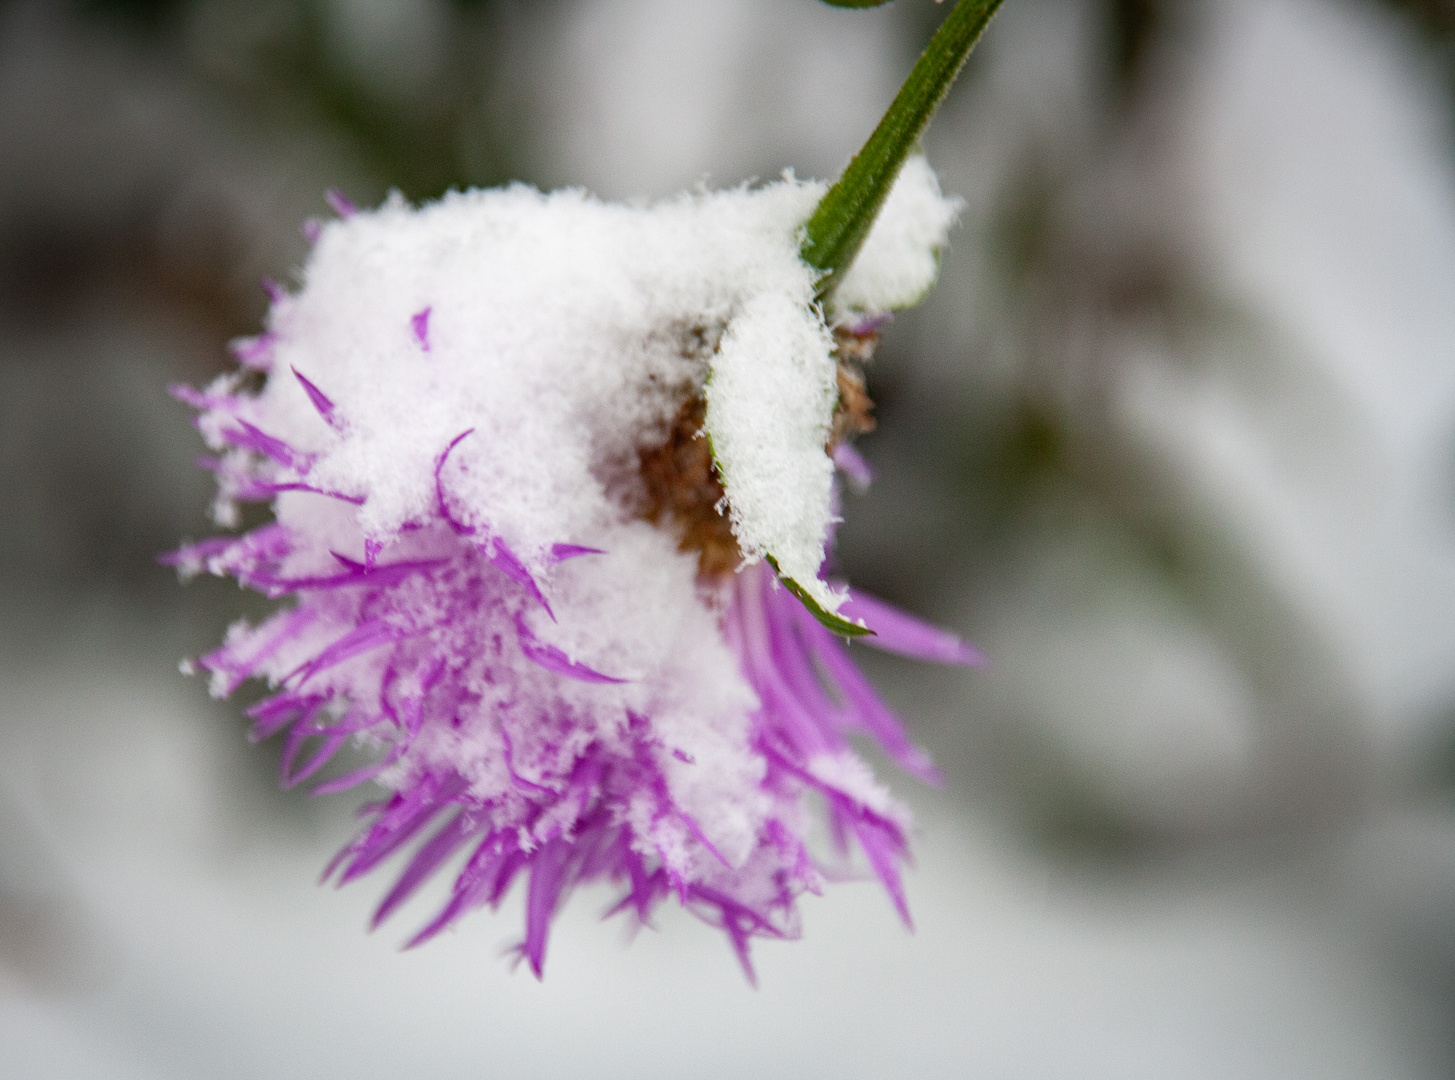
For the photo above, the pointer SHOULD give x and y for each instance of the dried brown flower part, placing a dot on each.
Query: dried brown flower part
(855, 347)
(683, 489)
(855, 412)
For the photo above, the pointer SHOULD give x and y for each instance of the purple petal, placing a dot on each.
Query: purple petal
(199, 552)
(385, 573)
(199, 399)
(507, 746)
(864, 325)
(248, 437)
(795, 720)
(791, 659)
(352, 565)
(861, 707)
(359, 776)
(882, 841)
(701, 837)
(362, 638)
(401, 820)
(852, 464)
(357, 574)
(740, 922)
(333, 741)
(264, 489)
(419, 323)
(562, 552)
(319, 399)
(510, 565)
(277, 712)
(486, 877)
(441, 501)
(554, 660)
(873, 715)
(254, 352)
(899, 632)
(340, 203)
(439, 847)
(883, 847)
(282, 628)
(547, 880)
(464, 898)
(644, 889)
(407, 712)
(184, 393)
(312, 229)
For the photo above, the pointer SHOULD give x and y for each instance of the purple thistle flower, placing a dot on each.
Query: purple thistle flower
(529, 589)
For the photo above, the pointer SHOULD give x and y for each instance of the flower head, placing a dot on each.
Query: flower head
(530, 458)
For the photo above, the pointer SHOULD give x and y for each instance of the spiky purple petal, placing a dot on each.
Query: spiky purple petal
(419, 325)
(563, 784)
(340, 203)
(899, 632)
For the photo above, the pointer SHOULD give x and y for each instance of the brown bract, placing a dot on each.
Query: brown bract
(854, 414)
(683, 489)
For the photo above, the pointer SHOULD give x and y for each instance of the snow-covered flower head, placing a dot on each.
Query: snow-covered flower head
(540, 468)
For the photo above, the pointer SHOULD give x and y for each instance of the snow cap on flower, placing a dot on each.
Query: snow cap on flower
(484, 432)
(575, 325)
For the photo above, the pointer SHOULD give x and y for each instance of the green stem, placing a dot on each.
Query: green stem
(844, 215)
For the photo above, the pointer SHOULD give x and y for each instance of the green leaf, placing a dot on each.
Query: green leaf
(856, 3)
(844, 215)
(836, 623)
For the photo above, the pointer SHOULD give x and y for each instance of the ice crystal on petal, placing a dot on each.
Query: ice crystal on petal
(491, 588)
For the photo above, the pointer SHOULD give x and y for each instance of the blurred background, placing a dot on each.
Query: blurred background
(1173, 442)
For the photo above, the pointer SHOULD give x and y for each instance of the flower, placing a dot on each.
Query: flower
(530, 458)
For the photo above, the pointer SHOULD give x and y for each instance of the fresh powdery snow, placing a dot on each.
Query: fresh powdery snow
(574, 326)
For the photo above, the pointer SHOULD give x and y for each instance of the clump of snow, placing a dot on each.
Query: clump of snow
(560, 334)
(899, 261)
(769, 407)
(501, 357)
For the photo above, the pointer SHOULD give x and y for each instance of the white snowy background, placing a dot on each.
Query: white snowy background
(1174, 443)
